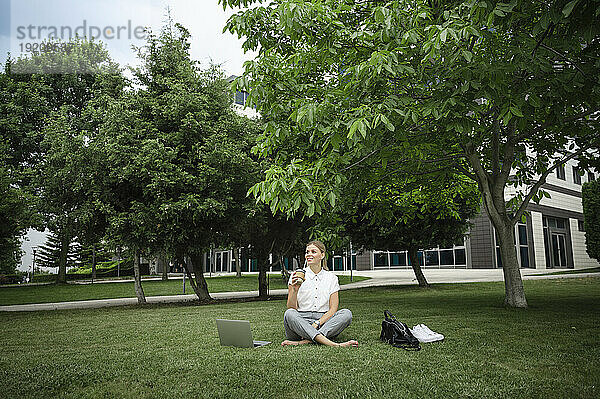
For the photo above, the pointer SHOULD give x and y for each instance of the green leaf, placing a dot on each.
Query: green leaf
(534, 100)
(443, 35)
(387, 123)
(415, 117)
(516, 111)
(331, 199)
(310, 211)
(506, 118)
(568, 9)
(353, 128)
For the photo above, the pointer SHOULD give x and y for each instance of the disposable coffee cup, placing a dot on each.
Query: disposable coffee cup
(299, 273)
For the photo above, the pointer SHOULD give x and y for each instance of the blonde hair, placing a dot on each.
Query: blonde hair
(321, 247)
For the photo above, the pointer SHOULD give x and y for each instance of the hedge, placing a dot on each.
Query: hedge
(591, 217)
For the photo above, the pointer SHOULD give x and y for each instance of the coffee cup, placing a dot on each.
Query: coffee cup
(299, 273)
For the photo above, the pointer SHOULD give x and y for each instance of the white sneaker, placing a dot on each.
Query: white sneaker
(419, 333)
(425, 334)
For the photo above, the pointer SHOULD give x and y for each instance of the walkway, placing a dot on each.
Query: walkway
(379, 278)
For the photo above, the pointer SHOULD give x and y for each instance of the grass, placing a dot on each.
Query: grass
(550, 350)
(575, 271)
(22, 294)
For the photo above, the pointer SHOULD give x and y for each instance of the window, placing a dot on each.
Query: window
(440, 257)
(591, 176)
(553, 222)
(460, 256)
(446, 257)
(398, 259)
(521, 243)
(522, 229)
(560, 172)
(240, 98)
(381, 259)
(576, 175)
(432, 258)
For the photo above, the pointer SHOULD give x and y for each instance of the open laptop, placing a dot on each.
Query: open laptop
(237, 333)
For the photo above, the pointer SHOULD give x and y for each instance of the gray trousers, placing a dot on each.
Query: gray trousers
(298, 325)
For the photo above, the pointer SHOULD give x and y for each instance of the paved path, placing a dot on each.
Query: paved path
(378, 278)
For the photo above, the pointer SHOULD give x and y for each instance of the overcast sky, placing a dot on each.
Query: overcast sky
(25, 22)
(22, 22)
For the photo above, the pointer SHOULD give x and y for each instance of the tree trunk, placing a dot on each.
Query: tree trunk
(162, 262)
(65, 240)
(139, 291)
(238, 262)
(413, 255)
(513, 283)
(492, 188)
(285, 273)
(199, 285)
(263, 265)
(93, 262)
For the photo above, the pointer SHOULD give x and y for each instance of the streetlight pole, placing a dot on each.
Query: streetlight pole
(184, 276)
(119, 263)
(33, 264)
(351, 262)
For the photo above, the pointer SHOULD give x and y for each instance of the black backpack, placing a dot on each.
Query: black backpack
(397, 334)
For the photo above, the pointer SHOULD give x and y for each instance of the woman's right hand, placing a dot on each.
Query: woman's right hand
(295, 282)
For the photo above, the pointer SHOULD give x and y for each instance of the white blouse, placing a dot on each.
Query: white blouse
(314, 293)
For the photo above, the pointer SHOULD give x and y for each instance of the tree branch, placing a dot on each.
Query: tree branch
(550, 27)
(360, 160)
(495, 147)
(517, 138)
(540, 182)
(466, 172)
(509, 157)
(564, 57)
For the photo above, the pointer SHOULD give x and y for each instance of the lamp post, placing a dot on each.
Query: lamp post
(351, 280)
(33, 264)
(119, 263)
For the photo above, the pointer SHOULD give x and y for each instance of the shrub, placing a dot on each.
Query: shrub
(11, 278)
(591, 217)
(103, 269)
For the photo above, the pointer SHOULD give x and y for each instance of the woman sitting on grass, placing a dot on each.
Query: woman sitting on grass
(312, 314)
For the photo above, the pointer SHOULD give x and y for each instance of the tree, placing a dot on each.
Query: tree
(502, 93)
(271, 235)
(22, 108)
(591, 217)
(61, 141)
(398, 217)
(12, 223)
(90, 255)
(49, 254)
(176, 157)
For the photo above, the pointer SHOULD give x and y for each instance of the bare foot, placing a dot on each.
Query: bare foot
(287, 342)
(350, 343)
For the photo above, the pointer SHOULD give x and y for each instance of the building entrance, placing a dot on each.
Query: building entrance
(559, 252)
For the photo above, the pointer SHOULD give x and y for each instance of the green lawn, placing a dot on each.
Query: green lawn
(21, 294)
(550, 350)
(576, 271)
